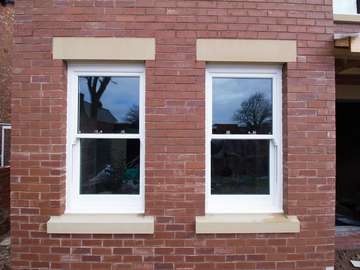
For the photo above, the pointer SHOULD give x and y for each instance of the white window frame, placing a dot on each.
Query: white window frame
(111, 203)
(231, 204)
(4, 127)
(345, 7)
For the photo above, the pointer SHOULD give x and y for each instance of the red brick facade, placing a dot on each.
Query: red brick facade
(342, 28)
(175, 163)
(348, 240)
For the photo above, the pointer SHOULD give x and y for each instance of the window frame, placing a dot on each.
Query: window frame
(351, 7)
(231, 204)
(95, 203)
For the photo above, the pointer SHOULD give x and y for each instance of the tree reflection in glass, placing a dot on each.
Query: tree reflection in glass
(108, 104)
(242, 106)
(254, 113)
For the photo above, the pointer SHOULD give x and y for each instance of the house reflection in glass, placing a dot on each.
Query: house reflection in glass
(108, 104)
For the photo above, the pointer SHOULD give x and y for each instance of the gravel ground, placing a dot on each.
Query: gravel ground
(4, 252)
(343, 258)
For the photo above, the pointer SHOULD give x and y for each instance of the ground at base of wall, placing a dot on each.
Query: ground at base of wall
(4, 252)
(343, 258)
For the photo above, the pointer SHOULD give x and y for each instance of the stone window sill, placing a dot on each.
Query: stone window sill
(347, 18)
(101, 224)
(247, 223)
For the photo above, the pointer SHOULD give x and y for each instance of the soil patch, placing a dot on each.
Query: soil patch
(5, 252)
(343, 258)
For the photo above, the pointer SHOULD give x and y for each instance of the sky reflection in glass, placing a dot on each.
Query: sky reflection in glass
(116, 110)
(242, 105)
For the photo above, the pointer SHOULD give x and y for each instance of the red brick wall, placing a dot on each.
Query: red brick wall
(347, 28)
(4, 199)
(348, 240)
(174, 134)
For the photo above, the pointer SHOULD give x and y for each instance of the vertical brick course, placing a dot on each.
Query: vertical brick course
(175, 137)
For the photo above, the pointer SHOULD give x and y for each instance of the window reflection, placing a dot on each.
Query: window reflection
(108, 104)
(240, 167)
(242, 106)
(109, 166)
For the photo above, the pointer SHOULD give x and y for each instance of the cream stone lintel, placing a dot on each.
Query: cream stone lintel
(101, 224)
(347, 18)
(247, 223)
(96, 48)
(246, 50)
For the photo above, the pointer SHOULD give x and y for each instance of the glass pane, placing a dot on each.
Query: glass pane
(242, 106)
(109, 104)
(240, 167)
(109, 166)
(7, 142)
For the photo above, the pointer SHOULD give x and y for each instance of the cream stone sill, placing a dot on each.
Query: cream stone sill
(101, 224)
(347, 18)
(247, 223)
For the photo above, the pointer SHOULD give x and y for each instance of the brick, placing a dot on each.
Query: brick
(175, 136)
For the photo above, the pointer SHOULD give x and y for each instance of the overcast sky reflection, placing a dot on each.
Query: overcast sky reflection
(229, 93)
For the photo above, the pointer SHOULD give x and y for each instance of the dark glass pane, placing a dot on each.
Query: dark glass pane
(108, 104)
(242, 106)
(240, 167)
(109, 166)
(7, 142)
(347, 162)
